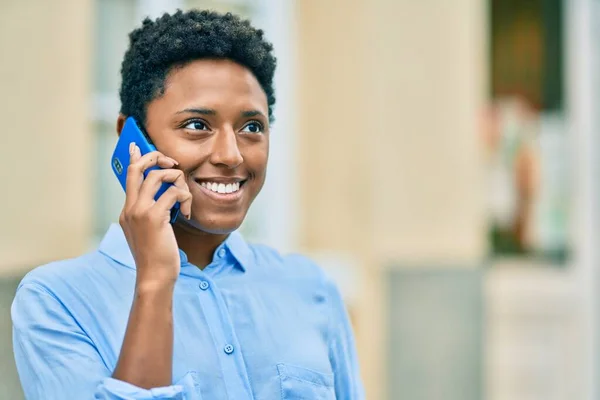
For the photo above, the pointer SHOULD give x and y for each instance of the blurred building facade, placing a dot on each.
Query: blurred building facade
(377, 171)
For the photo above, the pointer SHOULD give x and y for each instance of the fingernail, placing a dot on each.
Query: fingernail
(173, 161)
(131, 148)
(137, 151)
(189, 216)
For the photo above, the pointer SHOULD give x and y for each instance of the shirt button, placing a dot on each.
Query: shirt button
(222, 253)
(204, 285)
(228, 349)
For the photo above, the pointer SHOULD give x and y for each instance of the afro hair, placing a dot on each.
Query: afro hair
(173, 40)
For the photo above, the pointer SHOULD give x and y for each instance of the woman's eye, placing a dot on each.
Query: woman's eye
(253, 127)
(196, 126)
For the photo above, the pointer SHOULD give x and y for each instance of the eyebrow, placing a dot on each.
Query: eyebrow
(210, 111)
(252, 113)
(202, 111)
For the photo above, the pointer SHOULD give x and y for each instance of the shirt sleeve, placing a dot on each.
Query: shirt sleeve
(342, 351)
(57, 360)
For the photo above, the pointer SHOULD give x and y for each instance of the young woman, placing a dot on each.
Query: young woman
(188, 310)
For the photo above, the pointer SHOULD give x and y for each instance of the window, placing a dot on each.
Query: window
(527, 141)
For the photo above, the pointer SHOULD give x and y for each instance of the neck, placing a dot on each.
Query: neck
(198, 246)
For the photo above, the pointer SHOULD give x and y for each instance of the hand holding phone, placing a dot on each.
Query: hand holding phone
(147, 213)
(132, 132)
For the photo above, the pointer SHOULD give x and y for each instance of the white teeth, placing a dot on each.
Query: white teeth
(221, 187)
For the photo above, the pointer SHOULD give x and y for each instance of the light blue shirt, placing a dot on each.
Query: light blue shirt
(252, 325)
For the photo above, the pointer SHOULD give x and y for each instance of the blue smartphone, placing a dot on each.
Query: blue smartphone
(133, 132)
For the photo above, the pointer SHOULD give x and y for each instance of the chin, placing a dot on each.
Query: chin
(214, 226)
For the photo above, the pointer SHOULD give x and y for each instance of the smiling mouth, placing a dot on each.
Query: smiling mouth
(222, 190)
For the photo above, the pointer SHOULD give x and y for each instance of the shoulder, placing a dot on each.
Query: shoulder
(294, 266)
(63, 279)
(70, 290)
(55, 274)
(40, 292)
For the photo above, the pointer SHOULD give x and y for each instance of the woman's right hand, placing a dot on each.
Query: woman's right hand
(146, 222)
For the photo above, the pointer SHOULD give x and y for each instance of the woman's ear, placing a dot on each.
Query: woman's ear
(120, 123)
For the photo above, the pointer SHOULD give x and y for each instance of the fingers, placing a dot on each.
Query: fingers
(155, 179)
(173, 195)
(138, 164)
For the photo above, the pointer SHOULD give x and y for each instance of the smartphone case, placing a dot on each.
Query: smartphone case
(120, 159)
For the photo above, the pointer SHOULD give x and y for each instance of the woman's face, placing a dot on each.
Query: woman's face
(213, 119)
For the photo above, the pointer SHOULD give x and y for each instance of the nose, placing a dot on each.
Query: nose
(225, 150)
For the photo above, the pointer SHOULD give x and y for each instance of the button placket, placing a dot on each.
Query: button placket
(222, 329)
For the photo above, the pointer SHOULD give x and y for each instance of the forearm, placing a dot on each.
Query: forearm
(146, 356)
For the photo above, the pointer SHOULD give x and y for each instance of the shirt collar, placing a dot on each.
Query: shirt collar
(240, 250)
(114, 245)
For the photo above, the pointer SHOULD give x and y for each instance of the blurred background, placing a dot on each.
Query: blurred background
(439, 158)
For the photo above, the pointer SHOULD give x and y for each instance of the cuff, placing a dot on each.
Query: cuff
(114, 389)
